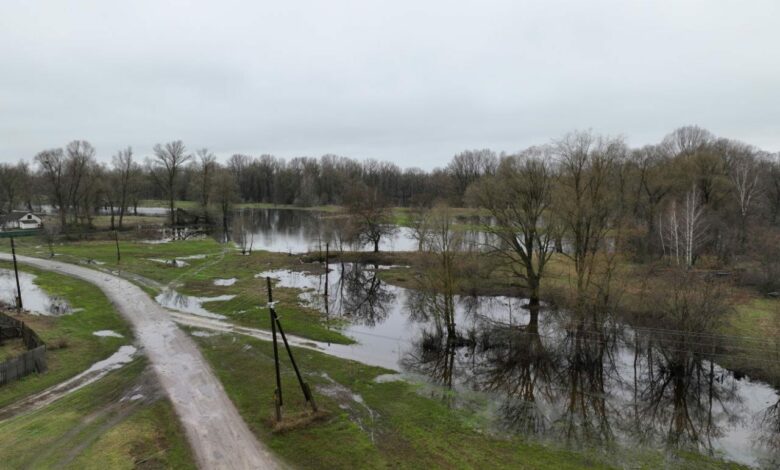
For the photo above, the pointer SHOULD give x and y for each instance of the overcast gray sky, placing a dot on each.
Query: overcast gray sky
(408, 81)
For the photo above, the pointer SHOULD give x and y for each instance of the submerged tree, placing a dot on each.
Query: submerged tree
(519, 197)
(369, 216)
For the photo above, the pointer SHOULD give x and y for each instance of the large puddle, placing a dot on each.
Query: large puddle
(34, 299)
(549, 376)
(170, 298)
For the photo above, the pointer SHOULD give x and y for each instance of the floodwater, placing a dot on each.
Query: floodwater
(588, 381)
(34, 299)
(300, 231)
(169, 298)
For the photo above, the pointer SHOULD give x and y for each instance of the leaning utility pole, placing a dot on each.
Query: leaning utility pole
(276, 324)
(16, 272)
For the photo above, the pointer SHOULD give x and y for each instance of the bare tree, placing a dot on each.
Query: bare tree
(584, 203)
(519, 198)
(684, 231)
(370, 217)
(225, 194)
(168, 159)
(744, 171)
(440, 278)
(14, 184)
(126, 175)
(80, 158)
(205, 168)
(52, 166)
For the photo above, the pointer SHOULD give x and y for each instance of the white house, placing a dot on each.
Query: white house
(20, 220)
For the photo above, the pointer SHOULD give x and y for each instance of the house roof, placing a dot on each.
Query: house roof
(15, 215)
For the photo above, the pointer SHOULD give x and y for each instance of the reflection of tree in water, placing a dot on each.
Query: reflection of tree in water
(584, 379)
(435, 353)
(515, 363)
(768, 434)
(681, 399)
(360, 295)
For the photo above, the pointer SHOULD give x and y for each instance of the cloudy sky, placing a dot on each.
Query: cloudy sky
(409, 81)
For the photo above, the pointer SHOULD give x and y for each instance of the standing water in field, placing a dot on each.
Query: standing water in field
(34, 298)
(587, 381)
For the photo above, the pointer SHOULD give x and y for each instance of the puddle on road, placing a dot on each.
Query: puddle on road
(34, 299)
(169, 298)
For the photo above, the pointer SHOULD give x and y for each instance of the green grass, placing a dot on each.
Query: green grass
(72, 347)
(92, 429)
(404, 429)
(198, 278)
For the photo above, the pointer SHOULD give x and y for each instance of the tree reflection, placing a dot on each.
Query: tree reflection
(683, 400)
(585, 381)
(515, 363)
(360, 295)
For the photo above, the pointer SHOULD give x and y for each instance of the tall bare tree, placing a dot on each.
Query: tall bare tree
(52, 167)
(744, 172)
(585, 205)
(126, 175)
(369, 214)
(519, 198)
(205, 167)
(168, 160)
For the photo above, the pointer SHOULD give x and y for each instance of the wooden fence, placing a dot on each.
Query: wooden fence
(32, 360)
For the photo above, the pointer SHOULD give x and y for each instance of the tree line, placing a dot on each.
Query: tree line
(691, 193)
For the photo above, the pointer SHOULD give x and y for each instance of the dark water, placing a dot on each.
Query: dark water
(550, 376)
(34, 298)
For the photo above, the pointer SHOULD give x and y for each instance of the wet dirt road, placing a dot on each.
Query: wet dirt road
(219, 437)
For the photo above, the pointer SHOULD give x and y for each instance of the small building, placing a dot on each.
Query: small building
(20, 220)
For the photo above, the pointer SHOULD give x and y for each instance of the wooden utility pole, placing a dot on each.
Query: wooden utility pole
(19, 305)
(278, 393)
(118, 255)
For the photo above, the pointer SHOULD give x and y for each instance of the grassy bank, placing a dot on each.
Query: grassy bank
(368, 424)
(71, 346)
(98, 427)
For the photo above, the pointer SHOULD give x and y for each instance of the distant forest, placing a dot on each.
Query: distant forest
(666, 194)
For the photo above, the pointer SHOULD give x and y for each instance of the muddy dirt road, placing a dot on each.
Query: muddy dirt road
(219, 438)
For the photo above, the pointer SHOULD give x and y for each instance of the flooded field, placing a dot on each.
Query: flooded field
(589, 381)
(34, 298)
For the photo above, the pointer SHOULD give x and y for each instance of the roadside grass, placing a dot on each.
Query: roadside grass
(197, 278)
(71, 346)
(393, 424)
(93, 429)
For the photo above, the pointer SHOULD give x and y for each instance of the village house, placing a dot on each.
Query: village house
(19, 220)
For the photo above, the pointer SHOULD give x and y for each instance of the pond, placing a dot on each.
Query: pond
(34, 299)
(550, 376)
